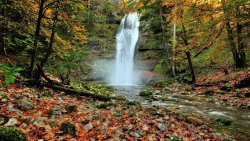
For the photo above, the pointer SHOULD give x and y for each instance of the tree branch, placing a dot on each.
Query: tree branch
(210, 43)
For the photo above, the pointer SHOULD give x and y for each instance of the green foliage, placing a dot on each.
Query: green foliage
(9, 73)
(11, 134)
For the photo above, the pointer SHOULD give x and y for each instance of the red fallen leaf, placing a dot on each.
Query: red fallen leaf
(186, 139)
(162, 139)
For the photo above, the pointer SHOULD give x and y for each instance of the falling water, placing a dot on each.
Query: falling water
(126, 39)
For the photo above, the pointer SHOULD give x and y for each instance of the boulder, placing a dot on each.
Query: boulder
(25, 105)
(68, 128)
(11, 134)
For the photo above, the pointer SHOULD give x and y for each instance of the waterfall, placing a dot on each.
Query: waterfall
(126, 39)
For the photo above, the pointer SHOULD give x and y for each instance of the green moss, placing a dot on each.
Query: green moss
(226, 87)
(53, 124)
(47, 93)
(209, 92)
(224, 121)
(131, 103)
(68, 128)
(11, 134)
(70, 108)
(102, 106)
(117, 113)
(146, 93)
(238, 94)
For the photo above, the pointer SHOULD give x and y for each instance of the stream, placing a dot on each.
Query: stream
(199, 105)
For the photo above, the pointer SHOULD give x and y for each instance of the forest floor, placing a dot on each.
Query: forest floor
(43, 113)
(223, 88)
(40, 114)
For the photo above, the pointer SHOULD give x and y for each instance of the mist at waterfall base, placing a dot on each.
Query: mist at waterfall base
(121, 71)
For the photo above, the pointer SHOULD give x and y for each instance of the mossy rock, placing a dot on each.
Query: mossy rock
(146, 93)
(46, 93)
(209, 92)
(102, 106)
(70, 108)
(226, 87)
(131, 103)
(68, 128)
(224, 121)
(247, 94)
(237, 95)
(11, 134)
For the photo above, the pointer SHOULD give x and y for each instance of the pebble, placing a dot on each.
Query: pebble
(161, 127)
(25, 105)
(134, 134)
(11, 122)
(166, 118)
(88, 126)
(127, 128)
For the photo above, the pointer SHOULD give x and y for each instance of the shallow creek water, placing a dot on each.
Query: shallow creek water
(199, 105)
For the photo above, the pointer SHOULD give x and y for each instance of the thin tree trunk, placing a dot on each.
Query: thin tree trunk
(241, 47)
(174, 44)
(238, 61)
(191, 68)
(50, 49)
(35, 45)
(188, 55)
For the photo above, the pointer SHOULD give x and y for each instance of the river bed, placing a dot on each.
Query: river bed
(199, 105)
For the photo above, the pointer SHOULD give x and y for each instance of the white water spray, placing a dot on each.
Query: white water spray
(126, 39)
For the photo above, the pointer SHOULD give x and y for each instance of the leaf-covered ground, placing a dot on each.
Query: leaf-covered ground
(44, 112)
(223, 88)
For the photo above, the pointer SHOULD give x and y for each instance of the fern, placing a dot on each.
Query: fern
(9, 73)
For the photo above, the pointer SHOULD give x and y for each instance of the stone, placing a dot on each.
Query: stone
(209, 92)
(25, 105)
(194, 120)
(224, 121)
(39, 125)
(3, 94)
(161, 127)
(41, 119)
(141, 132)
(4, 100)
(11, 122)
(68, 128)
(11, 134)
(248, 106)
(55, 112)
(134, 134)
(166, 118)
(145, 93)
(88, 126)
(243, 83)
(247, 94)
(70, 108)
(118, 133)
(26, 119)
(127, 127)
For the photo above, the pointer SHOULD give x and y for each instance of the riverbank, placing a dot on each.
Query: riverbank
(44, 114)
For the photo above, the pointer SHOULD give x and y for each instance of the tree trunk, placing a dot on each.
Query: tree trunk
(188, 55)
(238, 56)
(191, 69)
(241, 47)
(38, 27)
(50, 49)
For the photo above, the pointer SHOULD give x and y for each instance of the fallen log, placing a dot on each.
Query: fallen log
(6, 119)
